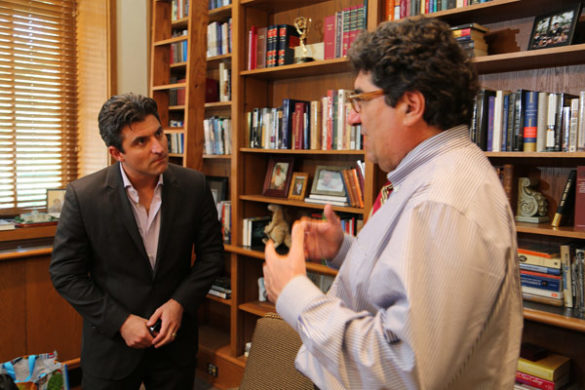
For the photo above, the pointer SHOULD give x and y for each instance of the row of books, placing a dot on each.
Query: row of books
(219, 90)
(217, 135)
(221, 287)
(553, 274)
(178, 53)
(530, 121)
(471, 38)
(176, 142)
(539, 368)
(219, 38)
(179, 9)
(398, 9)
(298, 124)
(341, 29)
(272, 46)
(213, 4)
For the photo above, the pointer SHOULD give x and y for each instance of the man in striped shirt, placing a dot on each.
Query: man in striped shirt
(427, 295)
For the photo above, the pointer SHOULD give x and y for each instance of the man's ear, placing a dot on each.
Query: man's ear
(413, 104)
(115, 153)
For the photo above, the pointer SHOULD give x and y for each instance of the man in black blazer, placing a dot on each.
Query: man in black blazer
(122, 255)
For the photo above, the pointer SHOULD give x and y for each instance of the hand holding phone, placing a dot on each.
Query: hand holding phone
(154, 329)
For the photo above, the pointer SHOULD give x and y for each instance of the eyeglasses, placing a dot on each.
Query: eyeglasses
(356, 99)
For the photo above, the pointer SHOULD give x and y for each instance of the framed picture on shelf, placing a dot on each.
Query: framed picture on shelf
(298, 186)
(55, 200)
(554, 29)
(218, 187)
(328, 181)
(278, 176)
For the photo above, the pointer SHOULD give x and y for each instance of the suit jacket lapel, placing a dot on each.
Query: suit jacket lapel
(169, 211)
(120, 202)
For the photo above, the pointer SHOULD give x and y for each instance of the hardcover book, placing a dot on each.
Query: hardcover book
(552, 367)
(580, 198)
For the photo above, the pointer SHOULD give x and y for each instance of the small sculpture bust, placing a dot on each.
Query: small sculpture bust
(532, 205)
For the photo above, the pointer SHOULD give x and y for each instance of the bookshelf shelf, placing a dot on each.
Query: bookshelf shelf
(219, 58)
(176, 108)
(174, 130)
(220, 13)
(227, 302)
(217, 156)
(178, 65)
(530, 59)
(283, 5)
(544, 229)
(304, 151)
(180, 23)
(163, 42)
(298, 203)
(556, 316)
(316, 68)
(258, 308)
(165, 87)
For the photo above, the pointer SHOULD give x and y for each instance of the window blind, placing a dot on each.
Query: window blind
(38, 109)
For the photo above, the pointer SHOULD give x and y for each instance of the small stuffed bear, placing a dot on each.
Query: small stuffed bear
(278, 229)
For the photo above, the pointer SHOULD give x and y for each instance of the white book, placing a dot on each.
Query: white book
(498, 117)
(550, 122)
(541, 121)
(324, 116)
(567, 277)
(573, 124)
(334, 198)
(322, 201)
(541, 292)
(581, 125)
(341, 99)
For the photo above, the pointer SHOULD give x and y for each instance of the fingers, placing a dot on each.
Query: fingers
(330, 214)
(298, 239)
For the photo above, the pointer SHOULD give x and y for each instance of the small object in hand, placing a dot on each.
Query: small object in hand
(173, 335)
(154, 329)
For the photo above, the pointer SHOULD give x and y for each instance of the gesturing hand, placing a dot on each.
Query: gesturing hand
(171, 314)
(279, 270)
(323, 238)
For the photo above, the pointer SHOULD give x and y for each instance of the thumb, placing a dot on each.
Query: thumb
(269, 251)
(330, 215)
(298, 239)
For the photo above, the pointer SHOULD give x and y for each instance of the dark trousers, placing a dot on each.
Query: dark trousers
(155, 370)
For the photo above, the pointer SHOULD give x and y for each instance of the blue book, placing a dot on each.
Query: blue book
(530, 120)
(505, 123)
(541, 282)
(540, 268)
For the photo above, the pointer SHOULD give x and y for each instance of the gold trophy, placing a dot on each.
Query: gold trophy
(302, 25)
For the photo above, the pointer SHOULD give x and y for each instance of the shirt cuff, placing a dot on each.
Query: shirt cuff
(343, 249)
(295, 297)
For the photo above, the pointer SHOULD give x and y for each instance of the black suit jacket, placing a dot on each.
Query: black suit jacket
(100, 266)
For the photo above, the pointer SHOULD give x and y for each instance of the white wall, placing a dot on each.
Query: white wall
(132, 46)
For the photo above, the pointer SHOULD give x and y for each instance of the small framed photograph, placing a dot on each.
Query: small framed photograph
(55, 200)
(218, 187)
(298, 186)
(554, 29)
(278, 176)
(328, 181)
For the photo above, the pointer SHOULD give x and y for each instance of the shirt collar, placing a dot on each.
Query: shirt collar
(446, 140)
(128, 183)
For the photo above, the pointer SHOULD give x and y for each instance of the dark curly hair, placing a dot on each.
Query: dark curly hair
(120, 111)
(420, 55)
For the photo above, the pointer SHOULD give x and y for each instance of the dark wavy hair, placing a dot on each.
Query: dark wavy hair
(120, 111)
(420, 55)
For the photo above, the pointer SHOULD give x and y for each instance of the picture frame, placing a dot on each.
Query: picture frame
(328, 181)
(278, 177)
(554, 29)
(218, 187)
(55, 201)
(298, 186)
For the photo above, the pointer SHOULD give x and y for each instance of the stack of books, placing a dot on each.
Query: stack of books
(470, 37)
(221, 288)
(541, 369)
(541, 273)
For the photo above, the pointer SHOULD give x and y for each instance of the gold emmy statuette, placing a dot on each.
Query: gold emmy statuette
(302, 24)
(532, 205)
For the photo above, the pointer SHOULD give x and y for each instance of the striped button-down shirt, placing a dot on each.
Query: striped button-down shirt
(428, 295)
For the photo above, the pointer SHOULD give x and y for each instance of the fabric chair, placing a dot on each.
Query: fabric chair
(271, 362)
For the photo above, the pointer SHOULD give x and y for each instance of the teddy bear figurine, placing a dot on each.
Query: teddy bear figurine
(278, 230)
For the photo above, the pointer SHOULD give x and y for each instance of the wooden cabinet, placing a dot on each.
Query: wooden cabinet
(228, 324)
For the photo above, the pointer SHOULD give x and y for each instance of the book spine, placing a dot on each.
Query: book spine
(540, 268)
(534, 381)
(573, 124)
(580, 263)
(530, 121)
(541, 121)
(567, 199)
(581, 126)
(567, 280)
(580, 198)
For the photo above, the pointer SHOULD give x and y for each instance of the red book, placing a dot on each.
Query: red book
(298, 125)
(252, 39)
(330, 93)
(261, 48)
(540, 383)
(580, 198)
(181, 94)
(329, 37)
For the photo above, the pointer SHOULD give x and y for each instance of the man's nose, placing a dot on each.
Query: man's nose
(159, 144)
(354, 118)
